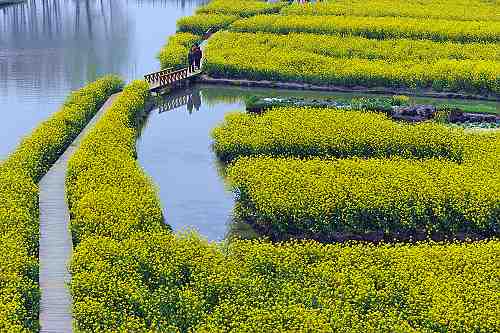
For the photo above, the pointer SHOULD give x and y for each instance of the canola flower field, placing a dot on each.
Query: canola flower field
(375, 27)
(305, 173)
(173, 55)
(449, 10)
(347, 68)
(368, 174)
(153, 282)
(104, 181)
(130, 273)
(215, 15)
(19, 216)
(443, 46)
(242, 8)
(391, 50)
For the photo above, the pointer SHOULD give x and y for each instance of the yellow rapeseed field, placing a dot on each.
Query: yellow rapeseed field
(450, 10)
(19, 215)
(370, 174)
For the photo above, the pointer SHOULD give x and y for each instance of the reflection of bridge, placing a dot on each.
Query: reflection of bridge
(189, 98)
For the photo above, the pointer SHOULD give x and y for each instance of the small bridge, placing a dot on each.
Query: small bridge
(168, 78)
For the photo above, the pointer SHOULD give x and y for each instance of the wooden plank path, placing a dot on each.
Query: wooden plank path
(55, 240)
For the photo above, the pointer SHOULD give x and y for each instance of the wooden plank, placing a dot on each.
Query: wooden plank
(55, 241)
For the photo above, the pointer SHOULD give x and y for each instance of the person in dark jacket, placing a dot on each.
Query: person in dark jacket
(197, 56)
(191, 58)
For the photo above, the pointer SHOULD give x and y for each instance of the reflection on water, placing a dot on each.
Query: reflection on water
(50, 47)
(174, 149)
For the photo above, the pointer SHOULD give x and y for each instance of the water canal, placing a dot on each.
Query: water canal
(175, 150)
(50, 47)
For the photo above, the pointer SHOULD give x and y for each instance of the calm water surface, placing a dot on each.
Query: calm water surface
(50, 47)
(174, 149)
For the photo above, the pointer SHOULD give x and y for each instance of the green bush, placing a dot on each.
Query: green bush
(19, 215)
(200, 23)
(174, 54)
(108, 193)
(162, 282)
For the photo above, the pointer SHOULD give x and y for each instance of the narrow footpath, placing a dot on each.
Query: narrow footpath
(55, 240)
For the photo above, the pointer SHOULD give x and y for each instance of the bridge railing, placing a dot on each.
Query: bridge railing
(155, 77)
(167, 77)
(175, 76)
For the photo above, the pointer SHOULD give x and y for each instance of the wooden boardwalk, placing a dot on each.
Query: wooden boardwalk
(55, 241)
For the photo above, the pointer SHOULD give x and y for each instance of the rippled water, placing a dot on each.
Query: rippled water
(50, 47)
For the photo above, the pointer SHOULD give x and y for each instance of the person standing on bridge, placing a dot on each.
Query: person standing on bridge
(191, 58)
(197, 56)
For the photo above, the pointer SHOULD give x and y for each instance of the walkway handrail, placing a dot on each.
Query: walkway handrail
(154, 77)
(168, 77)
